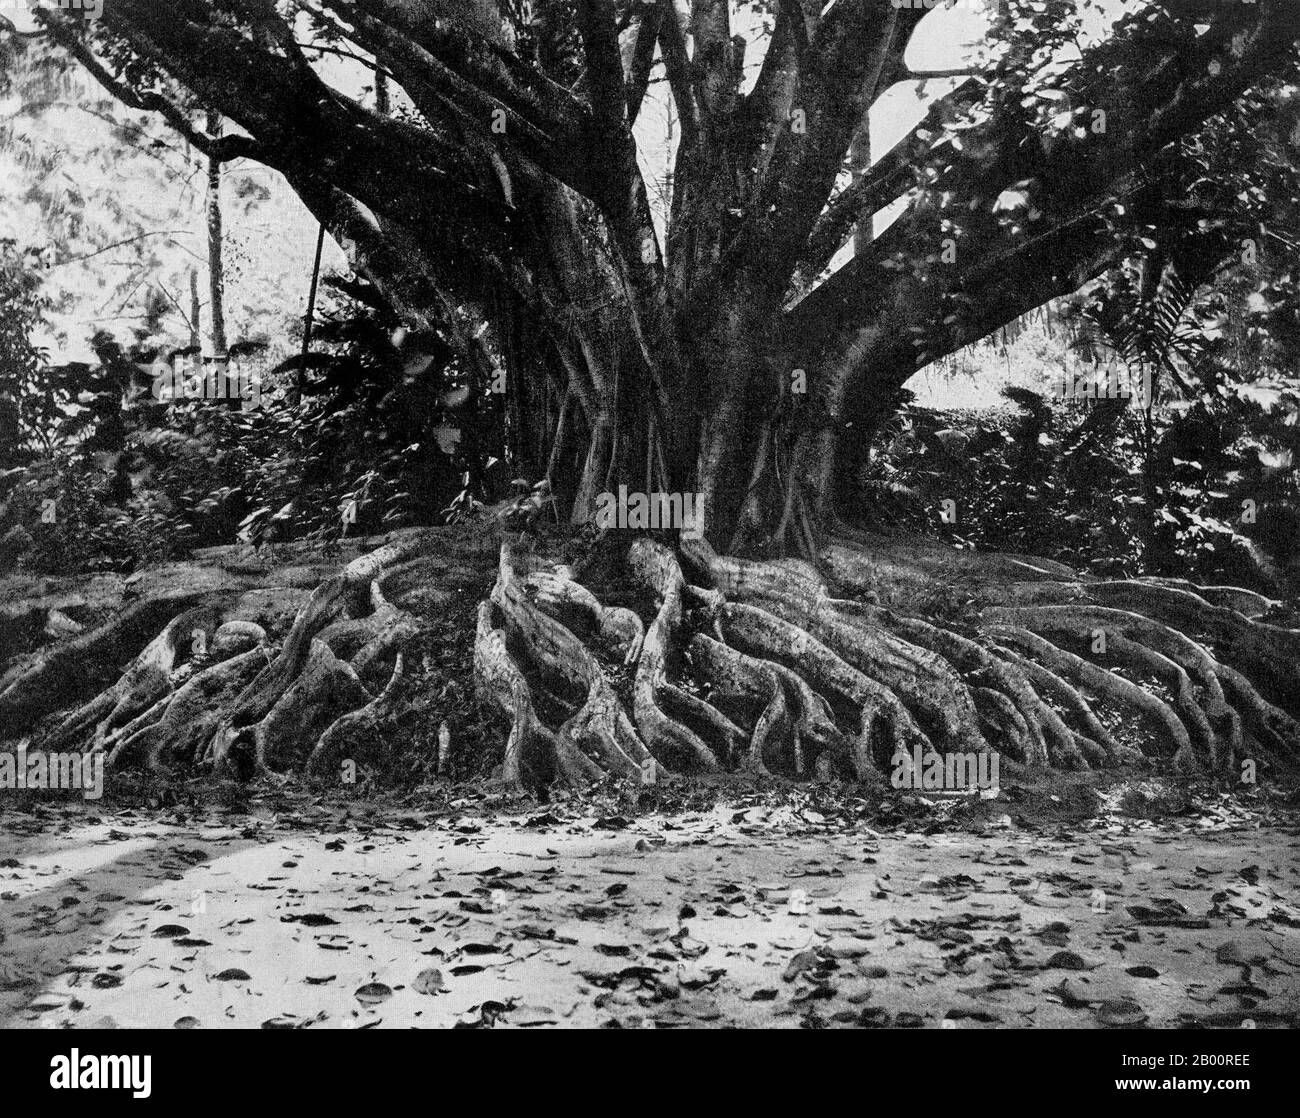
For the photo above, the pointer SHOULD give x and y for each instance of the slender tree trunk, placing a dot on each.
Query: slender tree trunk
(196, 311)
(308, 318)
(216, 261)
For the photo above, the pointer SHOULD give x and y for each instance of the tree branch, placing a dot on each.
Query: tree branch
(498, 73)
(604, 65)
(712, 66)
(860, 328)
(222, 148)
(672, 44)
(1170, 95)
(856, 45)
(766, 110)
(642, 60)
(402, 173)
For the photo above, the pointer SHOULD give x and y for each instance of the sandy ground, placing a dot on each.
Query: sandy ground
(761, 912)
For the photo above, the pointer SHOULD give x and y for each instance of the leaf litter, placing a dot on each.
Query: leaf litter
(792, 908)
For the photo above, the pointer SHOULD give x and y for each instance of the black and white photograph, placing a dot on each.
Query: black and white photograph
(650, 514)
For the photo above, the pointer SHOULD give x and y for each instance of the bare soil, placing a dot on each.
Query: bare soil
(1065, 904)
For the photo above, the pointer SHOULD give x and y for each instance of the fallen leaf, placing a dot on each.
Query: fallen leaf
(1121, 1014)
(429, 982)
(372, 993)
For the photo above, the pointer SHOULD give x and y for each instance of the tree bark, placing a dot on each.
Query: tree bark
(216, 259)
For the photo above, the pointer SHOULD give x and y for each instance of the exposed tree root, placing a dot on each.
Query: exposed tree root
(210, 689)
(669, 741)
(779, 675)
(759, 666)
(339, 736)
(531, 750)
(42, 683)
(703, 663)
(186, 723)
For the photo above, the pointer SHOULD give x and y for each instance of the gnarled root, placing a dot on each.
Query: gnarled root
(678, 660)
(769, 667)
(211, 688)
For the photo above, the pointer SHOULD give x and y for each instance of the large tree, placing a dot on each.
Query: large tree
(743, 347)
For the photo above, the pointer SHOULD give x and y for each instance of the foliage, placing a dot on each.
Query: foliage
(135, 479)
(1019, 485)
(26, 404)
